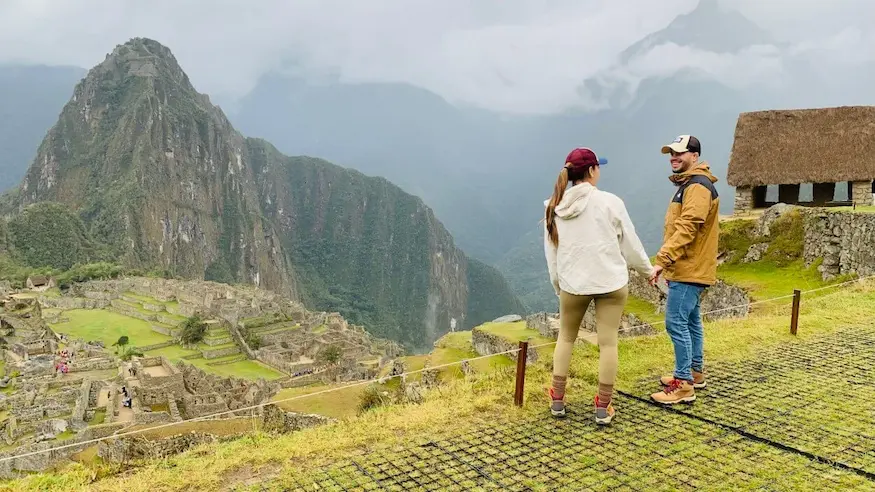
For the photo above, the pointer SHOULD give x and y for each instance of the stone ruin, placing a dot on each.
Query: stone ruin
(290, 337)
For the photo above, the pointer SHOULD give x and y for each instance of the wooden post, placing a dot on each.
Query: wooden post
(794, 317)
(520, 373)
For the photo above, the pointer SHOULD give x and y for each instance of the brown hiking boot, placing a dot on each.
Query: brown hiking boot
(678, 391)
(698, 380)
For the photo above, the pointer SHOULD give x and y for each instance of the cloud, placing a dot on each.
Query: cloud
(508, 55)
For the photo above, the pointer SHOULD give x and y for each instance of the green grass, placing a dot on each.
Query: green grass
(244, 369)
(765, 280)
(515, 332)
(338, 404)
(320, 330)
(107, 326)
(643, 309)
(172, 353)
(142, 298)
(99, 417)
(455, 347)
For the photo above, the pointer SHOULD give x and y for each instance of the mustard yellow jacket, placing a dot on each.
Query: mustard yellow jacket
(692, 230)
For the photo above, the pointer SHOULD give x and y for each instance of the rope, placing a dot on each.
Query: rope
(384, 378)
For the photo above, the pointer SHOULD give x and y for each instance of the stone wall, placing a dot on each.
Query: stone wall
(547, 324)
(845, 242)
(861, 193)
(744, 200)
(127, 449)
(82, 402)
(274, 419)
(487, 344)
(66, 303)
(721, 300)
(43, 461)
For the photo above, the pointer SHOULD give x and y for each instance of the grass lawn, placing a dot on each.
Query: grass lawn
(244, 369)
(172, 353)
(767, 281)
(107, 326)
(338, 404)
(455, 347)
(516, 332)
(643, 309)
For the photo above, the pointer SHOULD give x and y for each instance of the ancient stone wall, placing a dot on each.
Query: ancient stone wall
(487, 344)
(546, 324)
(127, 449)
(66, 303)
(720, 300)
(845, 241)
(274, 419)
(82, 401)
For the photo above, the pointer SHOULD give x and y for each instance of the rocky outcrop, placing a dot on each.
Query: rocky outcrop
(486, 343)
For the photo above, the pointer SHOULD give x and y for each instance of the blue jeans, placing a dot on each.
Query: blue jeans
(683, 321)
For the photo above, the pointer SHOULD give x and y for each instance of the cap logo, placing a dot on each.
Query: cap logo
(678, 140)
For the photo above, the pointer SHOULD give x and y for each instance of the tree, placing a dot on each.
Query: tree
(121, 342)
(193, 330)
(331, 355)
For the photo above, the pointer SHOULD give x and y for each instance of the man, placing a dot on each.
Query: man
(688, 260)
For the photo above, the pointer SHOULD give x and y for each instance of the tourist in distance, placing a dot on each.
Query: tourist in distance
(590, 243)
(688, 261)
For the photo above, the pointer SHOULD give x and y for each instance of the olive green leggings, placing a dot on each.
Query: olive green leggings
(608, 311)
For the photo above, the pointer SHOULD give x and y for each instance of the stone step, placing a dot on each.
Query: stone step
(216, 341)
(193, 356)
(219, 351)
(164, 329)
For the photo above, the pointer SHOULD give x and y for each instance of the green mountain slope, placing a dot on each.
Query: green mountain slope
(159, 174)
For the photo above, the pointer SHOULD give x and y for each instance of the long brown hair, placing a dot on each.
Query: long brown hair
(567, 174)
(550, 215)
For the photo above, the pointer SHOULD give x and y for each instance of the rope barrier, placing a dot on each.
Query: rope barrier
(384, 378)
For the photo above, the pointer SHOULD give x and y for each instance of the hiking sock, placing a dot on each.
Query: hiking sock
(606, 391)
(559, 386)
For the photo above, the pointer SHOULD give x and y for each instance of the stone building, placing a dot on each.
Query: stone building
(812, 156)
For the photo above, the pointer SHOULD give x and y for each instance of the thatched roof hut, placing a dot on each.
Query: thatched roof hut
(793, 147)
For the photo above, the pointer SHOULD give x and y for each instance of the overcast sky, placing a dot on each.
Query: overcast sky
(509, 55)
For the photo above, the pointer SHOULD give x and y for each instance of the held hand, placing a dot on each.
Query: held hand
(654, 274)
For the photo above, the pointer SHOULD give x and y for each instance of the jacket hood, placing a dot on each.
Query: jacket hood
(574, 201)
(703, 169)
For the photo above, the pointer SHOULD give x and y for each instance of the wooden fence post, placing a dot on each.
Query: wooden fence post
(794, 317)
(520, 373)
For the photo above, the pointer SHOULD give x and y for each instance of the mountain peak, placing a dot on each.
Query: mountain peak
(709, 27)
(141, 58)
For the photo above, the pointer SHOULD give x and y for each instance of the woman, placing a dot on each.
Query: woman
(590, 243)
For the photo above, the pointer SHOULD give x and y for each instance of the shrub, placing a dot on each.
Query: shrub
(193, 330)
(372, 397)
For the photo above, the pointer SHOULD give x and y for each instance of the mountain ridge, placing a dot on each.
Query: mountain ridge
(161, 174)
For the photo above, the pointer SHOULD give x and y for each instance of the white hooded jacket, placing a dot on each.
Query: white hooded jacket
(597, 243)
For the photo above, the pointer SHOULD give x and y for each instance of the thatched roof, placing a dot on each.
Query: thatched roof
(38, 280)
(829, 145)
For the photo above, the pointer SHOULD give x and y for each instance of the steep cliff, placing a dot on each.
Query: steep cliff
(159, 174)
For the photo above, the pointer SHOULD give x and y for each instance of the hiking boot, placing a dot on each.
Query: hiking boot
(557, 406)
(678, 391)
(603, 415)
(698, 380)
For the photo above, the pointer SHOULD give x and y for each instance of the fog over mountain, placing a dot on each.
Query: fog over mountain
(472, 106)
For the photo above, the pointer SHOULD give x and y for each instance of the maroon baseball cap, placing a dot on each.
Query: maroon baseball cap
(584, 157)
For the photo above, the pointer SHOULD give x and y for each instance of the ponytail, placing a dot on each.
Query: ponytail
(550, 216)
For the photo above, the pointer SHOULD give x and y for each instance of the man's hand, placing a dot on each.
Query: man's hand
(654, 274)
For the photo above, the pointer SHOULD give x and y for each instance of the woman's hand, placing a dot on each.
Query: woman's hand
(654, 275)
